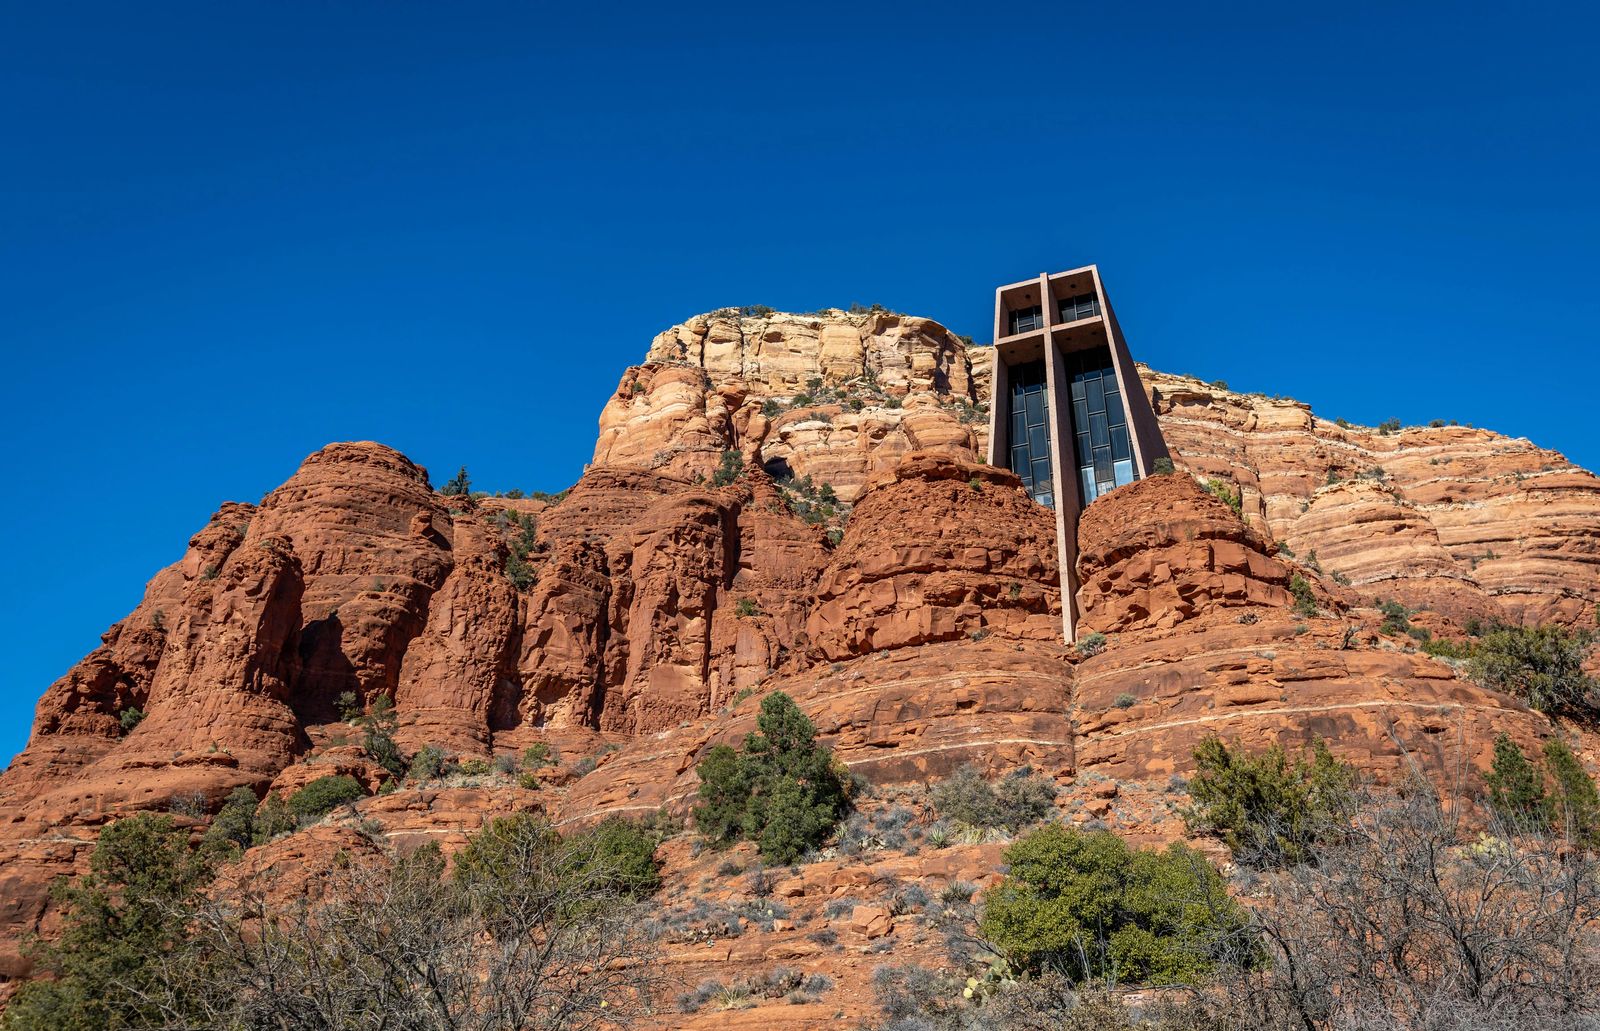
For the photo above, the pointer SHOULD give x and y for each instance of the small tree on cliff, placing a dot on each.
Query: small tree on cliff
(460, 484)
(378, 728)
(781, 790)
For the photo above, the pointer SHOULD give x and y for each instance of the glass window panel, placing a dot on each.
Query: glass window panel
(1019, 458)
(1119, 443)
(1086, 484)
(1034, 406)
(1124, 471)
(1102, 465)
(1080, 413)
(1099, 432)
(1041, 472)
(1038, 443)
(1097, 397)
(1077, 390)
(1047, 499)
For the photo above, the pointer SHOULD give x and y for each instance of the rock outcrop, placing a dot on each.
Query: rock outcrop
(938, 549)
(1206, 642)
(636, 621)
(1167, 552)
(833, 396)
(1462, 520)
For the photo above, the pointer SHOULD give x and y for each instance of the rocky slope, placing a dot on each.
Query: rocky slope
(653, 604)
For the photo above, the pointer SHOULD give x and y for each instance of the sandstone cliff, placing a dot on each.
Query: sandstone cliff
(657, 596)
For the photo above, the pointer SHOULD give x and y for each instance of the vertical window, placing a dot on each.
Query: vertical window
(1030, 430)
(1102, 446)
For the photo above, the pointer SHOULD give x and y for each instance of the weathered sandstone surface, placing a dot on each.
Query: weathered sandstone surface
(659, 607)
(1462, 520)
(833, 396)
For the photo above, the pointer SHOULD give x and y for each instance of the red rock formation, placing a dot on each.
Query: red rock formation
(925, 638)
(939, 549)
(1221, 654)
(1462, 520)
(833, 396)
(1168, 552)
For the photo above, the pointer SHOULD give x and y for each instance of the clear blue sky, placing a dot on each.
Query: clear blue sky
(231, 233)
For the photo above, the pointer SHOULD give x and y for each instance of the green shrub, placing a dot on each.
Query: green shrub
(729, 470)
(495, 853)
(1543, 665)
(1574, 802)
(780, 789)
(1342, 423)
(427, 764)
(1229, 496)
(273, 817)
(1022, 798)
(349, 706)
(475, 767)
(624, 852)
(520, 572)
(1388, 427)
(519, 569)
(324, 795)
(1518, 795)
(536, 755)
(130, 717)
(1087, 905)
(1516, 788)
(815, 504)
(746, 608)
(614, 858)
(1163, 467)
(234, 825)
(771, 409)
(1305, 602)
(1444, 648)
(1396, 617)
(1270, 809)
(460, 485)
(379, 726)
(1125, 701)
(1091, 644)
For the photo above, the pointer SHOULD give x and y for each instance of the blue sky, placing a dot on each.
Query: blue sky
(230, 234)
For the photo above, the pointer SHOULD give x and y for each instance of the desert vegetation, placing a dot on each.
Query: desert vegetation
(526, 929)
(780, 789)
